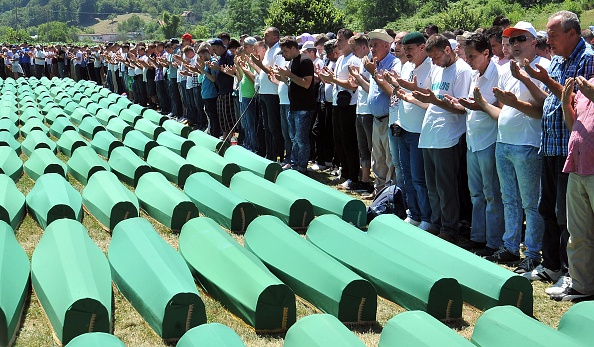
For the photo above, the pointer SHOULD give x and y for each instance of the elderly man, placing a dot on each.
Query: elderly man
(571, 59)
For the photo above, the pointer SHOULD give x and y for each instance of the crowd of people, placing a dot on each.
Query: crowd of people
(493, 126)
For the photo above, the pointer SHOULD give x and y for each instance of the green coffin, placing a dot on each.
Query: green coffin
(212, 334)
(177, 128)
(124, 102)
(6, 125)
(12, 202)
(176, 143)
(89, 127)
(104, 143)
(95, 340)
(34, 124)
(321, 330)
(48, 105)
(55, 113)
(106, 198)
(7, 140)
(93, 107)
(127, 166)
(96, 97)
(118, 128)
(78, 114)
(105, 103)
(9, 114)
(148, 128)
(150, 115)
(70, 141)
(508, 326)
(213, 164)
(216, 201)
(129, 116)
(164, 202)
(53, 198)
(484, 284)
(236, 278)
(14, 284)
(37, 139)
(43, 161)
(200, 138)
(84, 163)
(60, 126)
(271, 199)
(70, 106)
(172, 165)
(252, 162)
(396, 277)
(418, 328)
(578, 321)
(139, 143)
(10, 163)
(140, 109)
(138, 256)
(325, 199)
(311, 273)
(72, 280)
(31, 112)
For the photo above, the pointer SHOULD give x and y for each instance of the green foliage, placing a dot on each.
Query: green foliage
(56, 32)
(134, 23)
(245, 16)
(200, 32)
(369, 15)
(294, 17)
(15, 35)
(170, 24)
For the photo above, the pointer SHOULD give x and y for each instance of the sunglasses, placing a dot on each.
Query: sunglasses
(519, 38)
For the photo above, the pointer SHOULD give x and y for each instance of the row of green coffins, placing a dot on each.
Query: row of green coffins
(177, 168)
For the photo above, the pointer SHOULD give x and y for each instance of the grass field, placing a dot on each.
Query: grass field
(133, 331)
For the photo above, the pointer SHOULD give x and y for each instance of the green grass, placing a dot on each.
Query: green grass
(130, 327)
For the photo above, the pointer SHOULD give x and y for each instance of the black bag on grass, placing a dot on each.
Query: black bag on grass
(388, 200)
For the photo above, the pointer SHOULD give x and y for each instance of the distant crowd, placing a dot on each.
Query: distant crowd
(491, 129)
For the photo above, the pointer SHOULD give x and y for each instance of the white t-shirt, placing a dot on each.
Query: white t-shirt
(283, 90)
(78, 58)
(515, 127)
(410, 116)
(441, 128)
(342, 73)
(329, 87)
(271, 58)
(362, 106)
(481, 129)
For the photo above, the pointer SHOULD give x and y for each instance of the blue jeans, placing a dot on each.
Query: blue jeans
(485, 194)
(299, 126)
(395, 152)
(519, 169)
(248, 123)
(284, 123)
(413, 171)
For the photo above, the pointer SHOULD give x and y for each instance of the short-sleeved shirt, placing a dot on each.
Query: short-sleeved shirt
(362, 104)
(246, 87)
(580, 157)
(341, 72)
(302, 99)
(209, 89)
(410, 116)
(442, 128)
(225, 82)
(481, 129)
(555, 134)
(378, 100)
(513, 126)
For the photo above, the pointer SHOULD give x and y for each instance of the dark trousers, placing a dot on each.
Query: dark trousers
(39, 70)
(552, 208)
(162, 96)
(139, 90)
(323, 137)
(344, 120)
(441, 175)
(174, 97)
(272, 127)
(210, 106)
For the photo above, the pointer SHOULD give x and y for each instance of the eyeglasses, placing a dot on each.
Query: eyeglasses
(519, 38)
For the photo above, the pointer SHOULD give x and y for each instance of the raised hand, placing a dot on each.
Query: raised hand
(567, 95)
(585, 87)
(505, 97)
(406, 84)
(425, 95)
(540, 73)
(517, 72)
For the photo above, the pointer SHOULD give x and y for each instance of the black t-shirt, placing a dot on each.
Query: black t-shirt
(302, 99)
(224, 82)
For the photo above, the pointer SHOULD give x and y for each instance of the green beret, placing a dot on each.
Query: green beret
(413, 37)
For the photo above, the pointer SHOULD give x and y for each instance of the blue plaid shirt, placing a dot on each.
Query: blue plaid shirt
(555, 135)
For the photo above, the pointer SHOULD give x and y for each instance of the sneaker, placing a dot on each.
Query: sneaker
(485, 251)
(559, 287)
(337, 180)
(541, 273)
(317, 167)
(470, 245)
(287, 166)
(428, 227)
(336, 172)
(365, 187)
(346, 184)
(527, 265)
(570, 294)
(354, 185)
(503, 256)
(447, 237)
(412, 221)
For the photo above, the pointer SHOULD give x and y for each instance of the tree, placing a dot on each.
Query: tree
(134, 23)
(200, 31)
(170, 25)
(294, 17)
(55, 32)
(244, 16)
